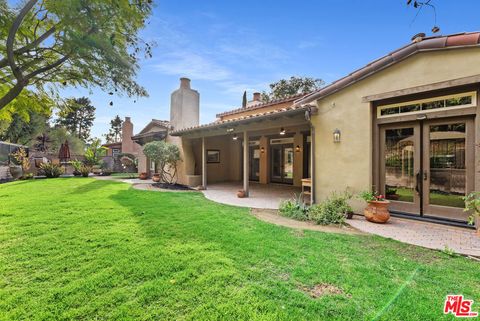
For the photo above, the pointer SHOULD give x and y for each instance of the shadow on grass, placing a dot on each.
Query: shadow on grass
(93, 185)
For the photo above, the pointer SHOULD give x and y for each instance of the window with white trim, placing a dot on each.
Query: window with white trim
(463, 100)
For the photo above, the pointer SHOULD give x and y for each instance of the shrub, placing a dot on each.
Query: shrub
(472, 205)
(85, 170)
(166, 156)
(333, 210)
(51, 170)
(77, 165)
(294, 208)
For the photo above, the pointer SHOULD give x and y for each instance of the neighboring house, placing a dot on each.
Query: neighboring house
(125, 146)
(407, 124)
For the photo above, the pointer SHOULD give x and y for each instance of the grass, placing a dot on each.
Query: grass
(406, 195)
(124, 175)
(79, 248)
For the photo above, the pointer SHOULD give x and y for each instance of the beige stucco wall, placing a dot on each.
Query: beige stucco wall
(348, 164)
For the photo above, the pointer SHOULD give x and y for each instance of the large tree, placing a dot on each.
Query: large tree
(23, 130)
(115, 132)
(46, 44)
(289, 87)
(77, 116)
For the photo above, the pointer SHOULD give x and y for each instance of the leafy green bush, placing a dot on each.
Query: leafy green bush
(294, 208)
(51, 170)
(333, 210)
(85, 170)
(472, 205)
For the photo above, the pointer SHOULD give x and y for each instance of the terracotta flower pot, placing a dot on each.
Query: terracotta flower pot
(377, 211)
(241, 194)
(143, 176)
(156, 178)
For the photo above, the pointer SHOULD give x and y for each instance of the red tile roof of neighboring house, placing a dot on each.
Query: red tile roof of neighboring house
(460, 40)
(260, 105)
(241, 119)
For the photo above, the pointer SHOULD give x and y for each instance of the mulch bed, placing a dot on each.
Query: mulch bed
(175, 187)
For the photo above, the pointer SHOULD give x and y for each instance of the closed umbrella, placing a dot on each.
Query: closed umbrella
(64, 153)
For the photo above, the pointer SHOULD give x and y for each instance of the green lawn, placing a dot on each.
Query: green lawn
(80, 248)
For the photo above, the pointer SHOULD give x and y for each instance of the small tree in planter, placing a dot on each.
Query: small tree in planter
(377, 208)
(472, 204)
(166, 156)
(93, 154)
(21, 160)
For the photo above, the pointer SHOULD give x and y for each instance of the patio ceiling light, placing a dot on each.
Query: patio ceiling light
(336, 135)
(262, 150)
(235, 137)
(282, 131)
(297, 148)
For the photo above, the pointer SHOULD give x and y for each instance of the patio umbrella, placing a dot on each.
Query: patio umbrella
(64, 153)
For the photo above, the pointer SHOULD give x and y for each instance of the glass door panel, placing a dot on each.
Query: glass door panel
(276, 163)
(288, 164)
(254, 163)
(400, 164)
(282, 163)
(446, 169)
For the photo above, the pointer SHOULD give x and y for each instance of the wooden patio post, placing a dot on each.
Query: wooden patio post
(246, 146)
(204, 164)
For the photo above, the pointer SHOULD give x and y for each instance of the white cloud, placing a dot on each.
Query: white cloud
(192, 65)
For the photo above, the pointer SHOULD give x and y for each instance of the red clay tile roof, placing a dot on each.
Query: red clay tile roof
(260, 105)
(241, 119)
(460, 40)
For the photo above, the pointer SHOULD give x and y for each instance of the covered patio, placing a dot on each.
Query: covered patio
(261, 195)
(267, 155)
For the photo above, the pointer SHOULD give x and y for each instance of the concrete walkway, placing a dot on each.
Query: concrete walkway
(261, 196)
(425, 234)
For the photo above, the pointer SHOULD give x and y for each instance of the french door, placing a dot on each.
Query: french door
(427, 167)
(254, 163)
(281, 163)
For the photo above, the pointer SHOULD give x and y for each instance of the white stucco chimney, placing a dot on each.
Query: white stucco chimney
(184, 106)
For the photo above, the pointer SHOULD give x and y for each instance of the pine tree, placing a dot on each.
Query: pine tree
(77, 116)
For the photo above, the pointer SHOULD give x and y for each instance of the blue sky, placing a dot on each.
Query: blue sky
(227, 47)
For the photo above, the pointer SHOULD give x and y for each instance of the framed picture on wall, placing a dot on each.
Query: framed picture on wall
(213, 156)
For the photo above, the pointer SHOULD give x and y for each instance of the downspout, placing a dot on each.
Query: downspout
(312, 160)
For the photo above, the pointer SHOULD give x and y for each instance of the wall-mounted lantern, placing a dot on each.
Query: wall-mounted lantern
(337, 135)
(297, 148)
(262, 150)
(235, 137)
(282, 131)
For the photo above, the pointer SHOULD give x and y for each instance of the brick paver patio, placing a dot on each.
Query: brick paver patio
(430, 235)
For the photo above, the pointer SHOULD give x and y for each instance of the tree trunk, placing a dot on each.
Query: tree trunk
(11, 95)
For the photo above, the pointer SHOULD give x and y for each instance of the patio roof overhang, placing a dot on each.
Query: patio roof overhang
(142, 139)
(291, 116)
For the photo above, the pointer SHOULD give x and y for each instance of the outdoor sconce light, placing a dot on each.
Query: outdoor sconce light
(336, 135)
(262, 150)
(282, 131)
(297, 148)
(235, 137)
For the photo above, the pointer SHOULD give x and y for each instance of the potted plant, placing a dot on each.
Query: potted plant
(143, 176)
(377, 207)
(241, 193)
(156, 177)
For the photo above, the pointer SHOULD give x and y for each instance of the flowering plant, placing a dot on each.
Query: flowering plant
(370, 196)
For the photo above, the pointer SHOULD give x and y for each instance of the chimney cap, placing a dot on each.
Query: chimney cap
(127, 119)
(184, 82)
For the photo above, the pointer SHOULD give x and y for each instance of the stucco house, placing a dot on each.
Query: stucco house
(406, 124)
